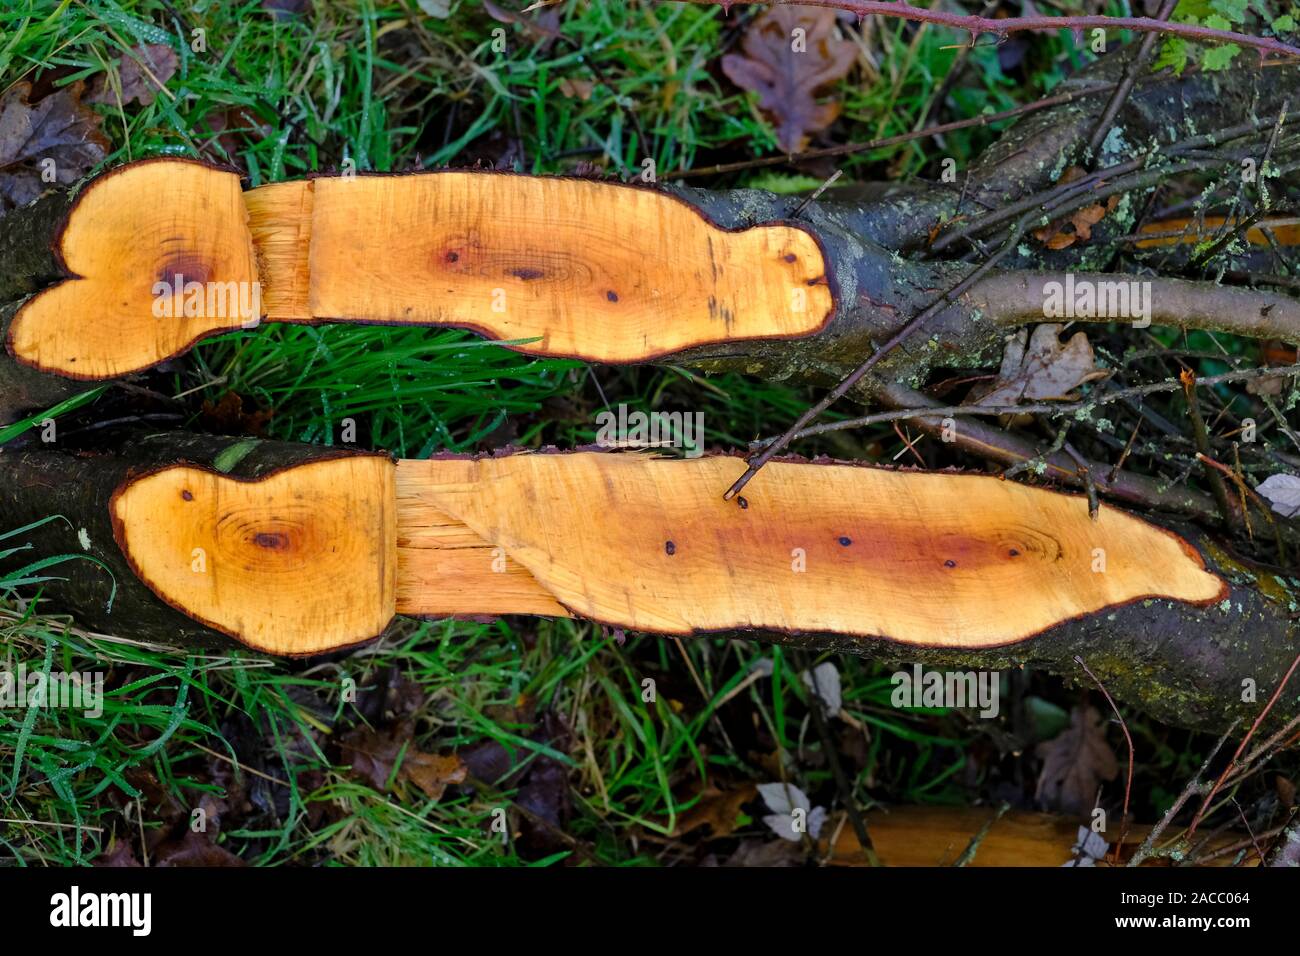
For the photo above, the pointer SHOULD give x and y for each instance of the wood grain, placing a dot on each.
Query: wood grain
(296, 562)
(549, 266)
(645, 543)
(143, 224)
(593, 270)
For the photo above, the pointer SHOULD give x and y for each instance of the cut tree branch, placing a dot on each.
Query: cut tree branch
(290, 549)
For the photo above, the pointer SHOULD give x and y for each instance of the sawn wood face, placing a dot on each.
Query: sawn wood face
(550, 266)
(324, 554)
(646, 543)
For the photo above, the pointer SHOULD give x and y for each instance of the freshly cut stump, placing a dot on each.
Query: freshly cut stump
(549, 266)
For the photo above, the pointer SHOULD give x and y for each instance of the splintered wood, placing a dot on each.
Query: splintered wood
(549, 266)
(645, 543)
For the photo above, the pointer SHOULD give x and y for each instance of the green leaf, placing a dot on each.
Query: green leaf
(1218, 58)
(1234, 10)
(1191, 11)
(229, 457)
(1217, 22)
(1284, 24)
(1173, 55)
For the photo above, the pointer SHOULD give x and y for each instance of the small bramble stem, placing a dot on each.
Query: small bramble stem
(1005, 26)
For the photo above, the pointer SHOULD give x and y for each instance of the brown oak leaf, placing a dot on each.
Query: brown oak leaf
(1076, 227)
(1074, 764)
(719, 810)
(1040, 367)
(193, 849)
(374, 753)
(791, 55)
(54, 141)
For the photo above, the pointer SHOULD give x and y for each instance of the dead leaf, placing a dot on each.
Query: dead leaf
(824, 682)
(120, 854)
(542, 780)
(767, 853)
(374, 754)
(193, 849)
(1077, 226)
(54, 141)
(543, 24)
(577, 89)
(1075, 762)
(141, 71)
(1283, 493)
(1274, 352)
(1285, 791)
(1088, 849)
(229, 416)
(792, 814)
(719, 810)
(791, 55)
(1039, 367)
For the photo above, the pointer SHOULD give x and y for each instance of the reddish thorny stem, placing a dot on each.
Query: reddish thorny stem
(1001, 27)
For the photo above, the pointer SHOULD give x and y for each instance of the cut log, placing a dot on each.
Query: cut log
(940, 836)
(160, 254)
(282, 547)
(294, 550)
(937, 557)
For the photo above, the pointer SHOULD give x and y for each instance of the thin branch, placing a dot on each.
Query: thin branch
(1006, 26)
(1128, 784)
(1132, 71)
(911, 326)
(1194, 787)
(1004, 447)
(1232, 764)
(1042, 408)
(848, 149)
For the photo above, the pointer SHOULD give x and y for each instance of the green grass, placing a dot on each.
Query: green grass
(382, 86)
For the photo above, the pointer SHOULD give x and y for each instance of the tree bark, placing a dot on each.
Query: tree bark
(71, 492)
(871, 266)
(875, 259)
(1177, 623)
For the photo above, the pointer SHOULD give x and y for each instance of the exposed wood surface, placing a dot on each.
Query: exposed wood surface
(647, 543)
(599, 271)
(324, 554)
(292, 563)
(572, 267)
(129, 229)
(1169, 232)
(1170, 625)
(938, 836)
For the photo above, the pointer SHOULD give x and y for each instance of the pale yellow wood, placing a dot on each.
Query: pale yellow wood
(324, 554)
(559, 267)
(147, 223)
(939, 836)
(921, 558)
(296, 562)
(280, 218)
(441, 561)
(594, 270)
